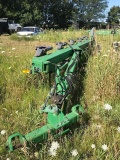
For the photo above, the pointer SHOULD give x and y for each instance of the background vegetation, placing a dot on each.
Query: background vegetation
(21, 99)
(58, 14)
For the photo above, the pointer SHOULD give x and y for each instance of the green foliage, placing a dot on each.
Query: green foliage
(53, 13)
(59, 13)
(114, 15)
(88, 10)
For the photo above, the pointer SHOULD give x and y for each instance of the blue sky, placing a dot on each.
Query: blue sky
(112, 3)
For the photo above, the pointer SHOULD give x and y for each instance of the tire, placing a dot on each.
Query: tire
(1, 31)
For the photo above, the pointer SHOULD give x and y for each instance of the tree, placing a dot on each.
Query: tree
(31, 12)
(26, 12)
(114, 16)
(37, 12)
(10, 10)
(52, 12)
(90, 10)
(56, 12)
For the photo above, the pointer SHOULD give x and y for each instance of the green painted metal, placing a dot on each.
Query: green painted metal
(58, 120)
(103, 32)
(11, 139)
(107, 32)
(55, 126)
(47, 63)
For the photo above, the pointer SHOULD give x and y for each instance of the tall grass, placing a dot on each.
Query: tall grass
(21, 99)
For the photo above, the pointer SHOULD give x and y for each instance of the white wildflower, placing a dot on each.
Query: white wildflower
(55, 145)
(118, 129)
(9, 68)
(8, 159)
(98, 126)
(3, 132)
(36, 154)
(74, 152)
(104, 147)
(2, 51)
(52, 149)
(16, 112)
(105, 55)
(107, 107)
(24, 149)
(5, 109)
(92, 146)
(13, 48)
(53, 153)
(114, 50)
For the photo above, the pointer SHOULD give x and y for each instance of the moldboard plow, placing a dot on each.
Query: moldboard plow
(70, 59)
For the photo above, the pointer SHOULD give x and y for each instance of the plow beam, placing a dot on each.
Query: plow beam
(46, 64)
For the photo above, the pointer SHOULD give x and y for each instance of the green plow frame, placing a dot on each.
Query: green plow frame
(57, 124)
(58, 120)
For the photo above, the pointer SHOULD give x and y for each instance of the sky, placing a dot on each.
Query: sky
(112, 3)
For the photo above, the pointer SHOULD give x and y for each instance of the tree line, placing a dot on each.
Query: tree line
(54, 13)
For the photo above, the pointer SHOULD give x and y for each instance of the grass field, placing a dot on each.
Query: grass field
(98, 135)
